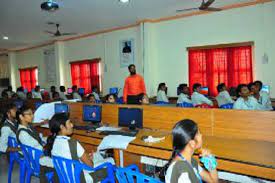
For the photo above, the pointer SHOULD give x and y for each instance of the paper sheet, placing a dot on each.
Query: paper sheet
(107, 128)
(115, 142)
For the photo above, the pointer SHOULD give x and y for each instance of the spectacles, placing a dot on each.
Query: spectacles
(29, 113)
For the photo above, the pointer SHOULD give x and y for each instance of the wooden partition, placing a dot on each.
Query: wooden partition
(254, 125)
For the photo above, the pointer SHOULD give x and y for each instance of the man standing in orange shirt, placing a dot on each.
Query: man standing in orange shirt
(134, 86)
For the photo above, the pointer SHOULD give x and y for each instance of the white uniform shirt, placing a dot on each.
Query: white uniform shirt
(21, 95)
(61, 148)
(77, 96)
(26, 139)
(198, 99)
(36, 95)
(161, 96)
(265, 101)
(184, 178)
(250, 104)
(224, 98)
(96, 96)
(62, 96)
(6, 132)
(10, 93)
(183, 98)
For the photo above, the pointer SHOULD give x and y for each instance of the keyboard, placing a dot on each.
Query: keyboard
(86, 128)
(131, 133)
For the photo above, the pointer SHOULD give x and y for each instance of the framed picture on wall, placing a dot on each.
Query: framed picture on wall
(126, 52)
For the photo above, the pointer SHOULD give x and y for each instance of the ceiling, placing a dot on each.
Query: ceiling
(24, 22)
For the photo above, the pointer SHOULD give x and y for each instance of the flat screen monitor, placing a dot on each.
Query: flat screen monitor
(61, 108)
(113, 91)
(81, 91)
(70, 90)
(265, 88)
(19, 103)
(37, 104)
(92, 113)
(127, 115)
(204, 91)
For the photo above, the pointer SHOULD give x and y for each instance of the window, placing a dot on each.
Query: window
(28, 78)
(229, 65)
(86, 74)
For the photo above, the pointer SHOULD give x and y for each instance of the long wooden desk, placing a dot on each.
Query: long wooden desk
(249, 157)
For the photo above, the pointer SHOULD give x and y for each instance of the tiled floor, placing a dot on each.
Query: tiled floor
(4, 165)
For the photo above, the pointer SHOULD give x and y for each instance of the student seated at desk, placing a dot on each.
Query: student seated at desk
(9, 91)
(91, 99)
(197, 98)
(62, 145)
(262, 96)
(182, 167)
(29, 95)
(110, 99)
(76, 94)
(27, 135)
(223, 96)
(162, 93)
(20, 93)
(36, 93)
(62, 93)
(245, 101)
(9, 128)
(184, 94)
(144, 100)
(96, 92)
(55, 96)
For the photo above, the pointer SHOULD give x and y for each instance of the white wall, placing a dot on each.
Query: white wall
(255, 23)
(165, 58)
(4, 71)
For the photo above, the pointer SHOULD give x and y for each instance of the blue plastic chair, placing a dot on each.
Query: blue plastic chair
(69, 170)
(227, 106)
(32, 157)
(15, 157)
(185, 105)
(131, 174)
(120, 100)
(161, 103)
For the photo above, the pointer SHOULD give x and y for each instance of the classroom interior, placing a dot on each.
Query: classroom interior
(167, 45)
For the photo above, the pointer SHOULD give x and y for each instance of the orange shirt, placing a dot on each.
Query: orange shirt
(134, 85)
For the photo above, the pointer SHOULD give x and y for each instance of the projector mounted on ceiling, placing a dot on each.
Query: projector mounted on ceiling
(49, 5)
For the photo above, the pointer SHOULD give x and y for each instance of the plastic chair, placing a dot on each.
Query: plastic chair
(206, 106)
(32, 157)
(15, 157)
(120, 100)
(69, 170)
(131, 174)
(227, 106)
(161, 103)
(185, 105)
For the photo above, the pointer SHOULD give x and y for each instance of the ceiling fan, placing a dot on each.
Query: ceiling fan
(205, 6)
(58, 33)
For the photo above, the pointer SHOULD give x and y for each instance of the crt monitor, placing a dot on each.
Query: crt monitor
(61, 108)
(265, 88)
(19, 103)
(81, 91)
(127, 115)
(92, 113)
(70, 90)
(204, 91)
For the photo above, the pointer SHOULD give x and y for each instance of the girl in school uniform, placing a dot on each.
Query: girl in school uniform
(62, 145)
(182, 167)
(27, 135)
(161, 95)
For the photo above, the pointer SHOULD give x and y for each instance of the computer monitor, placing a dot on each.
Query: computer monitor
(37, 104)
(265, 88)
(69, 90)
(81, 91)
(113, 91)
(204, 91)
(61, 108)
(92, 113)
(127, 115)
(19, 103)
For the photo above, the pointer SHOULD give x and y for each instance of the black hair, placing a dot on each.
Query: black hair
(21, 89)
(259, 83)
(129, 67)
(54, 124)
(250, 85)
(220, 87)
(239, 88)
(196, 85)
(10, 87)
(52, 88)
(74, 87)
(29, 93)
(233, 91)
(54, 94)
(107, 96)
(161, 85)
(184, 131)
(90, 95)
(21, 111)
(62, 88)
(4, 94)
(8, 107)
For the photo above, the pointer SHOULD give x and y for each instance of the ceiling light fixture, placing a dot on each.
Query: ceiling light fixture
(124, 1)
(5, 37)
(50, 6)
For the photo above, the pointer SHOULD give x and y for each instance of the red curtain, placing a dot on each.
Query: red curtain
(28, 78)
(211, 67)
(85, 74)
